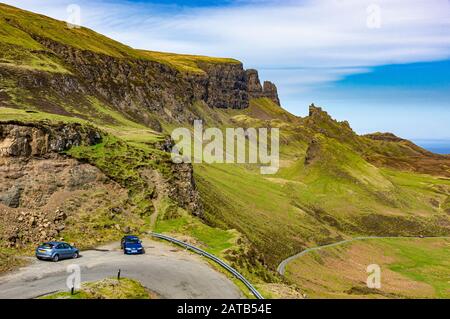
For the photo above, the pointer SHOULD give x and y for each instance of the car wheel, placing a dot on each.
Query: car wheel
(75, 255)
(55, 258)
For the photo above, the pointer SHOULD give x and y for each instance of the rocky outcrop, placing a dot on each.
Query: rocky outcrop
(312, 152)
(34, 227)
(38, 182)
(254, 87)
(142, 88)
(256, 90)
(184, 189)
(24, 140)
(270, 91)
(31, 167)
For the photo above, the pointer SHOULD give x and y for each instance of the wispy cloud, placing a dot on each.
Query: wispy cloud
(276, 34)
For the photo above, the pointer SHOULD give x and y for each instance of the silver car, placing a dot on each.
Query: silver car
(56, 251)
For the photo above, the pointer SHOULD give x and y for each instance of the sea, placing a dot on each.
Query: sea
(435, 146)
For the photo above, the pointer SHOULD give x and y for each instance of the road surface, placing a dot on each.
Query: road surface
(168, 271)
(282, 266)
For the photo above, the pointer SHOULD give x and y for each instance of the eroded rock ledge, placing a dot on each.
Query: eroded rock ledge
(41, 187)
(24, 140)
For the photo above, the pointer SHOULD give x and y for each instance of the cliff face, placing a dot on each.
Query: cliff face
(19, 140)
(46, 66)
(148, 91)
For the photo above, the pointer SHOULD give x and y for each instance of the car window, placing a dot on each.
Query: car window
(66, 246)
(60, 246)
(132, 240)
(47, 245)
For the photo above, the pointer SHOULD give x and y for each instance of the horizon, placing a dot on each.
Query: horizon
(391, 76)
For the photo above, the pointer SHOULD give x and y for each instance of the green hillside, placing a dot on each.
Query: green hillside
(332, 183)
(19, 31)
(410, 268)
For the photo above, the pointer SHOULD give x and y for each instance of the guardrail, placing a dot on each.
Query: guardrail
(199, 251)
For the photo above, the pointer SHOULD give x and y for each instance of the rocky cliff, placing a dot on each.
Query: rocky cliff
(256, 90)
(25, 140)
(150, 92)
(44, 191)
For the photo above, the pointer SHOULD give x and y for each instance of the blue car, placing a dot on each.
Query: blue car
(132, 245)
(56, 251)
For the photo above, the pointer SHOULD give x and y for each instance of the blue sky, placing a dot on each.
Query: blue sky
(384, 65)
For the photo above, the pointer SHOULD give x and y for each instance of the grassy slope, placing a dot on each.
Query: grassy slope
(281, 214)
(339, 194)
(107, 289)
(18, 27)
(412, 268)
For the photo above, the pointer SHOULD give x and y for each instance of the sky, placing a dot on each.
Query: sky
(383, 65)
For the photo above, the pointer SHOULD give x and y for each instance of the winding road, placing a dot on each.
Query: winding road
(282, 266)
(168, 271)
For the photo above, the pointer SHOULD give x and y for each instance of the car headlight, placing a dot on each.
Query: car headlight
(128, 248)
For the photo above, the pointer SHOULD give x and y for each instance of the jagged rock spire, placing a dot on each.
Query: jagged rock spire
(256, 90)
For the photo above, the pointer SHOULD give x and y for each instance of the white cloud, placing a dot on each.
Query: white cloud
(276, 33)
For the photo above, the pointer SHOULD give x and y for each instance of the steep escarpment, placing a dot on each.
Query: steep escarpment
(78, 65)
(51, 179)
(149, 92)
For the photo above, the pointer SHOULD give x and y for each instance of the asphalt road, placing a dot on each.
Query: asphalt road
(282, 266)
(168, 271)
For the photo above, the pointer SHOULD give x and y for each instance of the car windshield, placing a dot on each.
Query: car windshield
(47, 245)
(132, 240)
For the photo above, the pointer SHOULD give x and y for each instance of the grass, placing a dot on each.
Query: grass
(101, 216)
(410, 268)
(337, 195)
(423, 263)
(19, 30)
(32, 116)
(175, 220)
(184, 62)
(9, 259)
(110, 288)
(225, 244)
(126, 164)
